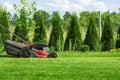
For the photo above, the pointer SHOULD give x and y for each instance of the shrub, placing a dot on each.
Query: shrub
(52, 49)
(85, 48)
(115, 50)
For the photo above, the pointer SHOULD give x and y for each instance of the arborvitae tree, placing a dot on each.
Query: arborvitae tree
(4, 22)
(17, 32)
(56, 36)
(73, 40)
(107, 35)
(40, 31)
(84, 18)
(46, 19)
(92, 39)
(66, 20)
(4, 34)
(118, 39)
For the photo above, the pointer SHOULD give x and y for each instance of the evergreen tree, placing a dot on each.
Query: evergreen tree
(40, 31)
(4, 34)
(46, 17)
(4, 22)
(92, 39)
(84, 18)
(17, 32)
(66, 20)
(15, 20)
(107, 35)
(118, 39)
(56, 36)
(73, 40)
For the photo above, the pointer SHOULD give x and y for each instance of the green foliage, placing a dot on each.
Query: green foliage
(118, 39)
(103, 16)
(40, 31)
(52, 49)
(25, 20)
(73, 40)
(1, 45)
(115, 50)
(66, 21)
(9, 17)
(84, 18)
(67, 15)
(85, 48)
(56, 36)
(107, 35)
(21, 28)
(92, 39)
(4, 34)
(115, 18)
(14, 19)
(4, 22)
(47, 16)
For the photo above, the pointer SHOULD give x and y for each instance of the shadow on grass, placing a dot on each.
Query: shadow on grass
(7, 56)
(4, 55)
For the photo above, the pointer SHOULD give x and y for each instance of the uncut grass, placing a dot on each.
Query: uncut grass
(65, 67)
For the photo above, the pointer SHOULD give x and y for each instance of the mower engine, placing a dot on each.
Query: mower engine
(27, 50)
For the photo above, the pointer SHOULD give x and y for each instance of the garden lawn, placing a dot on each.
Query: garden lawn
(68, 66)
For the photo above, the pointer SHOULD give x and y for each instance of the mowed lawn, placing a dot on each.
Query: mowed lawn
(68, 66)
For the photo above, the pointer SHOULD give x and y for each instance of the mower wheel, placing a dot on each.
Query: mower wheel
(24, 53)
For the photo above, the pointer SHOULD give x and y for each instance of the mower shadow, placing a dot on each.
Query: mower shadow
(7, 56)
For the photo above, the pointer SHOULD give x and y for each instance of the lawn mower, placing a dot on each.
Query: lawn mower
(26, 50)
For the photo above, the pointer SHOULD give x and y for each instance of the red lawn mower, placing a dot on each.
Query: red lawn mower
(26, 50)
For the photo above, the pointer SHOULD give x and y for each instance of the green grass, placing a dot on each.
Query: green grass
(68, 66)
